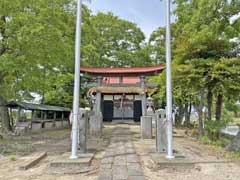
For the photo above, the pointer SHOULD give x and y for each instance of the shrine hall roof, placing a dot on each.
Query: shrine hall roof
(123, 71)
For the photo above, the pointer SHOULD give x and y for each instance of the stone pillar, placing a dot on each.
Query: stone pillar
(144, 98)
(82, 130)
(146, 127)
(95, 124)
(161, 134)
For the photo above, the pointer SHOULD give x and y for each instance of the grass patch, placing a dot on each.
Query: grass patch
(232, 155)
(220, 144)
(12, 158)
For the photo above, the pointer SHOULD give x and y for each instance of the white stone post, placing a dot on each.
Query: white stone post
(161, 134)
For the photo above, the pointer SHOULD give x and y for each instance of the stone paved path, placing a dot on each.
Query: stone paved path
(120, 161)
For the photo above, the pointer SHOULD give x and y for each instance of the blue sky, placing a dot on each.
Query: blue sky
(147, 14)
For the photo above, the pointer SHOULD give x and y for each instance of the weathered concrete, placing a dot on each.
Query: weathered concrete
(151, 113)
(82, 131)
(95, 124)
(65, 124)
(146, 127)
(36, 126)
(58, 124)
(65, 161)
(179, 161)
(32, 161)
(161, 136)
(48, 125)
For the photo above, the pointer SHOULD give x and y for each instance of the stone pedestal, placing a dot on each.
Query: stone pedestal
(161, 135)
(95, 123)
(146, 127)
(151, 113)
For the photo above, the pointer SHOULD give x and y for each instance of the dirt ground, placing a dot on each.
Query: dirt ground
(57, 142)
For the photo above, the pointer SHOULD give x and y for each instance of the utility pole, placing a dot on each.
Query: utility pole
(169, 83)
(76, 82)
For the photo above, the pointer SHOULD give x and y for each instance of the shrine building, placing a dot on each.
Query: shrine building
(121, 93)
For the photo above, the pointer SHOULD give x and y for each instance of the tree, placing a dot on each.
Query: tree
(157, 43)
(118, 43)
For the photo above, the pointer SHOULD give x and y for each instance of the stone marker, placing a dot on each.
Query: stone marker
(161, 136)
(146, 127)
(82, 130)
(96, 120)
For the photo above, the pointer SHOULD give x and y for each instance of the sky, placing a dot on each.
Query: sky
(147, 14)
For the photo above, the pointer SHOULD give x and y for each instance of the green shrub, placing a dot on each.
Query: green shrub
(12, 158)
(212, 129)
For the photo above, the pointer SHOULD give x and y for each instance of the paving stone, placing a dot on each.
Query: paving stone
(132, 158)
(105, 174)
(120, 172)
(130, 151)
(134, 165)
(136, 178)
(107, 160)
(135, 172)
(104, 178)
(120, 160)
(106, 166)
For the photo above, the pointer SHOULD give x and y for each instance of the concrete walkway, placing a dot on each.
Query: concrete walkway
(121, 161)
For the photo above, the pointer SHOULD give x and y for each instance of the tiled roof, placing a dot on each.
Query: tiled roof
(128, 70)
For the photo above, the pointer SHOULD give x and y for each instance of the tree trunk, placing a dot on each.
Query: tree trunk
(209, 102)
(200, 116)
(219, 107)
(4, 117)
(189, 112)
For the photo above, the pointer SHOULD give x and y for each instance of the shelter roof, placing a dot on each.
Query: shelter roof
(123, 71)
(42, 107)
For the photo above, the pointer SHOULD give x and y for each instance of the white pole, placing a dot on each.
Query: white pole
(169, 83)
(76, 82)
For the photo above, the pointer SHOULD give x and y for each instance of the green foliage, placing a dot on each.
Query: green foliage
(117, 43)
(37, 48)
(212, 129)
(232, 106)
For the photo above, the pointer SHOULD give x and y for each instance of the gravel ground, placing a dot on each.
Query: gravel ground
(57, 142)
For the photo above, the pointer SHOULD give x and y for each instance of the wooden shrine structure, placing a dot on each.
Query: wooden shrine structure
(120, 93)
